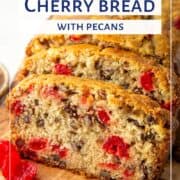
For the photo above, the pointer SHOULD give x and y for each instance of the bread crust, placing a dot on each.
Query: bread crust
(136, 62)
(156, 47)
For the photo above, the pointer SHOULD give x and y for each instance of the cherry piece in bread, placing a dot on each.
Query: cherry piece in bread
(146, 81)
(38, 144)
(116, 146)
(76, 38)
(62, 69)
(103, 117)
(61, 151)
(17, 108)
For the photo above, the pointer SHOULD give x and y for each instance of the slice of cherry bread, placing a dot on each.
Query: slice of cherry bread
(149, 45)
(121, 67)
(89, 127)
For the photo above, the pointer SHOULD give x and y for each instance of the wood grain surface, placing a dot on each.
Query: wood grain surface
(48, 173)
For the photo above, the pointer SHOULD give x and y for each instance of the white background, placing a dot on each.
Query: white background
(13, 35)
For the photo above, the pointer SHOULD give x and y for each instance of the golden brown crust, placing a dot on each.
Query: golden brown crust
(157, 46)
(57, 17)
(129, 42)
(142, 102)
(139, 63)
(44, 41)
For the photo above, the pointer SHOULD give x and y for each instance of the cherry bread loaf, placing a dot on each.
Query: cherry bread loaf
(121, 67)
(89, 127)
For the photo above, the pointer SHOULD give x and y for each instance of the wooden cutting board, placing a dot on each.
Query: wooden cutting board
(48, 173)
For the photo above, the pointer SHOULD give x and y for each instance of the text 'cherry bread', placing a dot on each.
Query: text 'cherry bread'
(89, 127)
(124, 68)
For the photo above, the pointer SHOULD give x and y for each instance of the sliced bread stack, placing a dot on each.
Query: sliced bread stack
(95, 104)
